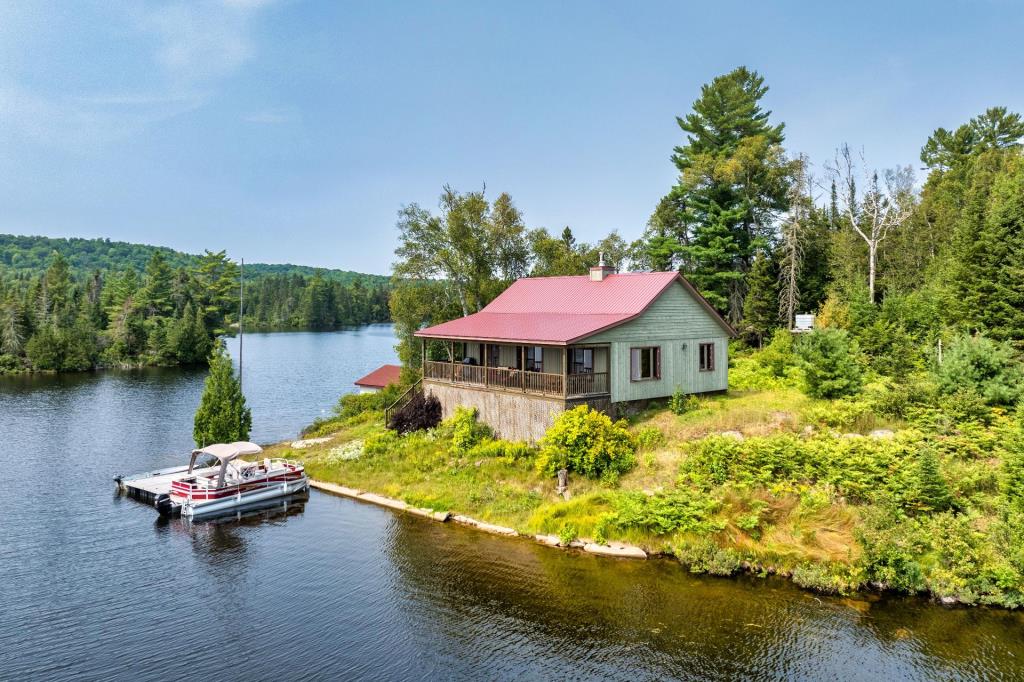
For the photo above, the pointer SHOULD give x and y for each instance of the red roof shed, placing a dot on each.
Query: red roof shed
(385, 375)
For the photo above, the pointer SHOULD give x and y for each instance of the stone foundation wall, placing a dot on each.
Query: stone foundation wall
(513, 416)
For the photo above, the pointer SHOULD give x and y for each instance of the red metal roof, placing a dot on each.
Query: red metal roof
(560, 310)
(385, 375)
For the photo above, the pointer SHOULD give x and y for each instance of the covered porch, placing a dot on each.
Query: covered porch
(573, 371)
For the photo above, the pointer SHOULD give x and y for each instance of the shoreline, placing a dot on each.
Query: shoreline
(614, 549)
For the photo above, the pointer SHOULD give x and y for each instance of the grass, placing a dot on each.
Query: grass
(420, 470)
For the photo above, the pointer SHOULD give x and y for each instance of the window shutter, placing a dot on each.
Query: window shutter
(634, 364)
(657, 362)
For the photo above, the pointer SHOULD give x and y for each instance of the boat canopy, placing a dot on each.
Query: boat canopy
(225, 452)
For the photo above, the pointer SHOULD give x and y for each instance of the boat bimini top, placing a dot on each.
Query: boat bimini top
(224, 452)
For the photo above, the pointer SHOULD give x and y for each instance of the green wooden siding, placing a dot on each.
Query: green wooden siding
(673, 321)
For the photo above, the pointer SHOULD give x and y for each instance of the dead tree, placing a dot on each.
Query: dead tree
(882, 209)
(791, 242)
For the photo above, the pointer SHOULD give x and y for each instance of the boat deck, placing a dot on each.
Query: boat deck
(150, 485)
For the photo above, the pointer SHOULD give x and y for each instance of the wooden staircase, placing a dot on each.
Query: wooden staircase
(402, 401)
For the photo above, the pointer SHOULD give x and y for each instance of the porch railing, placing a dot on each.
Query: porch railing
(505, 379)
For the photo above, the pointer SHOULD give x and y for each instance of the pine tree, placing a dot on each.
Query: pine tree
(157, 287)
(761, 307)
(733, 182)
(988, 248)
(223, 416)
(932, 493)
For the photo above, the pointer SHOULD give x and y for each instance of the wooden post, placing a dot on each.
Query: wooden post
(423, 358)
(565, 371)
(451, 359)
(522, 368)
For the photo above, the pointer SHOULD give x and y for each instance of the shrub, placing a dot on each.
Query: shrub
(354, 404)
(749, 374)
(421, 412)
(989, 368)
(890, 349)
(702, 555)
(891, 549)
(838, 413)
(830, 363)
(1011, 481)
(681, 403)
(510, 451)
(778, 355)
(466, 431)
(649, 438)
(587, 442)
(379, 443)
(966, 405)
(820, 578)
(683, 509)
(567, 534)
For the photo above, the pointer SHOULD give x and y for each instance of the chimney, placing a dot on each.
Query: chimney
(600, 271)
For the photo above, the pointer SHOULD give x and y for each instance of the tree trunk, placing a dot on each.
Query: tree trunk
(872, 254)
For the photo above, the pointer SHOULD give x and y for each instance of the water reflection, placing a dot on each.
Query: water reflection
(588, 615)
(217, 537)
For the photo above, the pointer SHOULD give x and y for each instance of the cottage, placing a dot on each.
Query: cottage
(548, 344)
(379, 379)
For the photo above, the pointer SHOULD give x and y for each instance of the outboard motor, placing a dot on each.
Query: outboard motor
(164, 505)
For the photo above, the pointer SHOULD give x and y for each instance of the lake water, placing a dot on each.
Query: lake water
(95, 586)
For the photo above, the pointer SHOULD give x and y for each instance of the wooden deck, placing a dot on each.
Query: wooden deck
(518, 381)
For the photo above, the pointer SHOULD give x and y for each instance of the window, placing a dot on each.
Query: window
(582, 360)
(494, 355)
(534, 359)
(645, 363)
(707, 357)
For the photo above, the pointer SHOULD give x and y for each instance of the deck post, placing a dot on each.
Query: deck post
(423, 358)
(487, 352)
(565, 371)
(451, 358)
(522, 368)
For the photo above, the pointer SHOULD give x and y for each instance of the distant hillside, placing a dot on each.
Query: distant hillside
(31, 256)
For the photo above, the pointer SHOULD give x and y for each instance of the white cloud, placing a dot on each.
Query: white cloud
(191, 46)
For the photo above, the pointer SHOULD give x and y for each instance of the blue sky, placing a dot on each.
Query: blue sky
(293, 130)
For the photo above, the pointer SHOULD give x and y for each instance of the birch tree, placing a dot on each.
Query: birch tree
(882, 208)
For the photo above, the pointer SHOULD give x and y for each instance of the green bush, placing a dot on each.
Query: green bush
(889, 348)
(991, 369)
(822, 578)
(703, 555)
(829, 359)
(838, 413)
(510, 451)
(778, 356)
(1011, 479)
(683, 510)
(354, 404)
(466, 432)
(681, 403)
(8, 363)
(892, 550)
(649, 438)
(586, 442)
